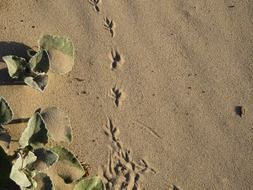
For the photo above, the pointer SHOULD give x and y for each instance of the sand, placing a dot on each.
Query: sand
(161, 78)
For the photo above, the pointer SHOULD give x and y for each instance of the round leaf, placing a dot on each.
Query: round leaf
(45, 159)
(35, 133)
(6, 113)
(43, 182)
(94, 183)
(60, 51)
(58, 124)
(39, 63)
(68, 167)
(16, 66)
(39, 82)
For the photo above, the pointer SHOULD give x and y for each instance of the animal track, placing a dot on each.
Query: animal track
(149, 129)
(109, 25)
(79, 79)
(173, 187)
(122, 172)
(116, 95)
(95, 4)
(116, 59)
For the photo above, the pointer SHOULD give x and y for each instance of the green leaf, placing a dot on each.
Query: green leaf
(45, 159)
(60, 51)
(68, 167)
(31, 175)
(29, 159)
(32, 186)
(6, 113)
(39, 82)
(18, 172)
(43, 182)
(35, 133)
(58, 124)
(94, 183)
(39, 63)
(21, 174)
(17, 66)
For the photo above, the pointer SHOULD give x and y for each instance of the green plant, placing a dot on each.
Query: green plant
(55, 53)
(35, 164)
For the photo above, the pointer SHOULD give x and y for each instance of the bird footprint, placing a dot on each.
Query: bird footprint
(109, 25)
(116, 95)
(116, 59)
(122, 171)
(95, 4)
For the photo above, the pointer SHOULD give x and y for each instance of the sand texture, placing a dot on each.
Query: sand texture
(154, 93)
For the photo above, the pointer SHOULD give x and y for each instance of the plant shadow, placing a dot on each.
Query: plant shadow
(11, 48)
(19, 120)
(5, 79)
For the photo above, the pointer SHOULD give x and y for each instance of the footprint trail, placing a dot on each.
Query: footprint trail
(121, 171)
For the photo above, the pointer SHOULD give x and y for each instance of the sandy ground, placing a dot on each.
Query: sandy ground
(166, 100)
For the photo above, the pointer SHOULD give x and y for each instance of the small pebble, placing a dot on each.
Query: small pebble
(240, 111)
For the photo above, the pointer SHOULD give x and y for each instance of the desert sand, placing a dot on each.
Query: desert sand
(154, 89)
